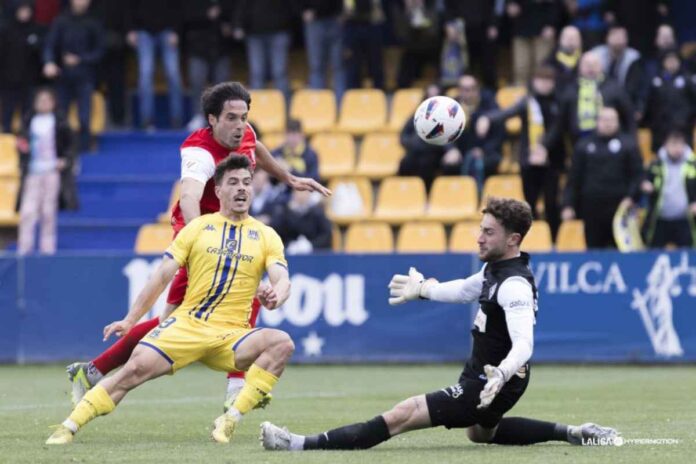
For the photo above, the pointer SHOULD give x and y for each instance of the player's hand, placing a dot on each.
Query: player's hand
(119, 328)
(308, 184)
(267, 296)
(496, 380)
(51, 70)
(405, 288)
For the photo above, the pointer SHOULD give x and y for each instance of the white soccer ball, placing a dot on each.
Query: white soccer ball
(439, 120)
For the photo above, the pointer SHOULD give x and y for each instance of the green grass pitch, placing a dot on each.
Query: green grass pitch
(168, 420)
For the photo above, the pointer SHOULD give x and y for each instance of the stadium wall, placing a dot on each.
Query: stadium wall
(593, 307)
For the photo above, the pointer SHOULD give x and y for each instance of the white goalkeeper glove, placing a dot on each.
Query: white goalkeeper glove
(496, 380)
(405, 288)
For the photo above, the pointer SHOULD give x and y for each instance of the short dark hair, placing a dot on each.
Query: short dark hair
(677, 134)
(514, 215)
(214, 97)
(231, 163)
(294, 125)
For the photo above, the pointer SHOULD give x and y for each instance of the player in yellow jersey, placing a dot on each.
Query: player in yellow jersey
(226, 255)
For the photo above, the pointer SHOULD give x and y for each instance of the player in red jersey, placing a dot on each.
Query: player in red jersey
(226, 106)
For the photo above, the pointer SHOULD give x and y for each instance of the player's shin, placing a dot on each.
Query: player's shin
(522, 431)
(96, 402)
(356, 436)
(259, 383)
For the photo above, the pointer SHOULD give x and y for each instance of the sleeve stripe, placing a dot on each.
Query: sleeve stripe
(166, 253)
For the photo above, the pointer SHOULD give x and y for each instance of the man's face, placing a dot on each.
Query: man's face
(293, 139)
(468, 90)
(23, 13)
(671, 63)
(229, 127)
(570, 40)
(44, 103)
(590, 66)
(235, 191)
(608, 122)
(665, 37)
(493, 240)
(617, 40)
(543, 86)
(676, 147)
(79, 6)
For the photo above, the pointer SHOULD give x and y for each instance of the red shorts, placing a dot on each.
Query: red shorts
(177, 289)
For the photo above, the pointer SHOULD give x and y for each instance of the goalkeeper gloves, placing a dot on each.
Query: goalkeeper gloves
(406, 288)
(496, 380)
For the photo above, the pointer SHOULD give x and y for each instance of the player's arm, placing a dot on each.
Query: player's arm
(146, 299)
(414, 286)
(516, 298)
(268, 163)
(197, 166)
(274, 295)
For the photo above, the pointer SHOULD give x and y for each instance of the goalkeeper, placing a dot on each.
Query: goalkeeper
(497, 373)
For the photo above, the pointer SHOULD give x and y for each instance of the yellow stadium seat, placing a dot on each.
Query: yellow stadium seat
(316, 109)
(9, 189)
(571, 236)
(464, 236)
(336, 239)
(421, 237)
(9, 157)
(645, 145)
(336, 154)
(507, 96)
(452, 199)
(268, 110)
(538, 239)
(503, 186)
(153, 238)
(371, 237)
(453, 93)
(400, 199)
(343, 207)
(166, 216)
(380, 154)
(404, 104)
(363, 111)
(97, 120)
(273, 140)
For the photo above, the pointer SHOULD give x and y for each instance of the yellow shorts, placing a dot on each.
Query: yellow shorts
(183, 340)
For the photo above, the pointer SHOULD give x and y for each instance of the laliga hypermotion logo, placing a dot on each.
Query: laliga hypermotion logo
(655, 302)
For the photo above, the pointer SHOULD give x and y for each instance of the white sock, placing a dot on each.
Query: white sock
(235, 414)
(234, 383)
(296, 442)
(71, 425)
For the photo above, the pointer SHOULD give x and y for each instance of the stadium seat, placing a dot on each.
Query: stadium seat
(571, 236)
(421, 237)
(268, 110)
(273, 140)
(404, 104)
(645, 145)
(9, 158)
(503, 186)
(315, 108)
(9, 189)
(506, 97)
(153, 238)
(380, 154)
(166, 217)
(336, 239)
(369, 237)
(464, 236)
(452, 199)
(344, 207)
(400, 199)
(363, 111)
(97, 121)
(336, 154)
(538, 239)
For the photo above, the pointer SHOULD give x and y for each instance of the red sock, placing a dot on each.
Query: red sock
(118, 353)
(255, 308)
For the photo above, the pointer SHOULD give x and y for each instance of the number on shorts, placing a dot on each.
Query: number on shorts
(167, 322)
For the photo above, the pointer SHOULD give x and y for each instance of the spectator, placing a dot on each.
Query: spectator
(20, 61)
(533, 33)
(266, 24)
(621, 63)
(664, 40)
(74, 46)
(420, 159)
(586, 15)
(671, 100)
(482, 19)
(605, 173)
(640, 17)
(581, 102)
(323, 30)
(300, 159)
(45, 156)
(302, 224)
(208, 60)
(363, 42)
(266, 196)
(153, 25)
(671, 186)
(566, 58)
(471, 154)
(416, 24)
(540, 169)
(46, 11)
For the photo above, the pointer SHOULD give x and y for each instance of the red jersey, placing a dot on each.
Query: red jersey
(197, 151)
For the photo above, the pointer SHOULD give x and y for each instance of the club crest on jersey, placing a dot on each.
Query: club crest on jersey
(253, 234)
(491, 291)
(210, 228)
(231, 244)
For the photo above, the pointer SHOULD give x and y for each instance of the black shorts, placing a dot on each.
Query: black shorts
(455, 406)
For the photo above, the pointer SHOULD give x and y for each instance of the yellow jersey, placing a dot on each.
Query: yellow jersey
(225, 261)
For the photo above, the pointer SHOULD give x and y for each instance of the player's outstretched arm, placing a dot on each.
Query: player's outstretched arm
(268, 163)
(403, 288)
(147, 297)
(273, 296)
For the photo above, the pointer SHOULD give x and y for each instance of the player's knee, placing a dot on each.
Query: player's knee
(284, 345)
(478, 434)
(131, 373)
(399, 416)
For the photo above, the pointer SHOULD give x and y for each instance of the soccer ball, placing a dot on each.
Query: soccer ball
(439, 120)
